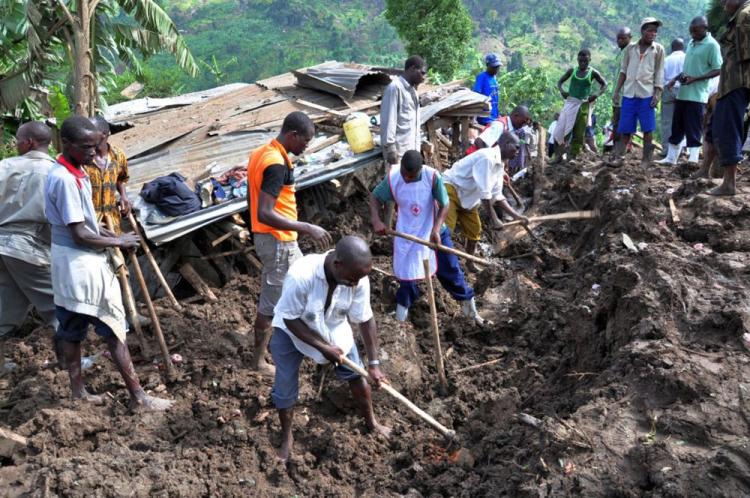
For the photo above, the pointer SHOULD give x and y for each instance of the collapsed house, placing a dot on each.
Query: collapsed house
(207, 136)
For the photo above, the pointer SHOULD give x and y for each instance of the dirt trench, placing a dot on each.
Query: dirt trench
(621, 372)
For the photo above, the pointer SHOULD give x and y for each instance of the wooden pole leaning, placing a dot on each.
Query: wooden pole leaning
(435, 330)
(168, 366)
(441, 247)
(129, 298)
(154, 264)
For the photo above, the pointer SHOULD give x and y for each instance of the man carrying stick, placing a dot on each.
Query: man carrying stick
(475, 179)
(422, 202)
(85, 288)
(322, 294)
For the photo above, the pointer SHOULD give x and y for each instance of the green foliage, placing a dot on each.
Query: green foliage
(717, 17)
(528, 86)
(438, 30)
(59, 103)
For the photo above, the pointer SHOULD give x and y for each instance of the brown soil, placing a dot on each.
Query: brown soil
(630, 363)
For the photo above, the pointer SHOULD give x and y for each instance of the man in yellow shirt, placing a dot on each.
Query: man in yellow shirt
(109, 175)
(273, 215)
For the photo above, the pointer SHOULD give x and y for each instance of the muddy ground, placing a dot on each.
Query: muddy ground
(630, 363)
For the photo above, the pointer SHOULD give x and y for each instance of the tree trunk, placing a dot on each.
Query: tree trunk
(84, 83)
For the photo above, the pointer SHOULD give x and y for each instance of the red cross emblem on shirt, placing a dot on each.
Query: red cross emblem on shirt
(416, 209)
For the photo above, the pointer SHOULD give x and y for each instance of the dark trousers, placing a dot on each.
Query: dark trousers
(448, 273)
(687, 122)
(728, 126)
(615, 123)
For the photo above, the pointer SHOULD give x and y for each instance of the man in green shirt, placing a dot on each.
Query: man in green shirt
(702, 62)
(734, 93)
(575, 114)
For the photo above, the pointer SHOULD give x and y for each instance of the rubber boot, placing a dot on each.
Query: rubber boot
(401, 313)
(648, 154)
(618, 154)
(469, 308)
(694, 155)
(673, 152)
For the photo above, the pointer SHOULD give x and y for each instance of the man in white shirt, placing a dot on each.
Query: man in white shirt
(25, 278)
(322, 294)
(475, 179)
(673, 65)
(550, 135)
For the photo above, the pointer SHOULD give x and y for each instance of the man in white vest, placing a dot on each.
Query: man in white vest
(422, 202)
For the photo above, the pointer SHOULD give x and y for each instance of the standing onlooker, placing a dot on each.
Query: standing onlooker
(624, 36)
(672, 69)
(486, 84)
(575, 115)
(551, 135)
(702, 62)
(109, 175)
(399, 112)
(641, 82)
(734, 93)
(25, 238)
(273, 215)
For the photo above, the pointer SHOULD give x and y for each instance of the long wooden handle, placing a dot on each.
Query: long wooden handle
(390, 390)
(435, 330)
(170, 371)
(441, 247)
(129, 300)
(153, 263)
(573, 215)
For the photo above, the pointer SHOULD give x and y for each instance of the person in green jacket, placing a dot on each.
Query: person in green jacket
(576, 114)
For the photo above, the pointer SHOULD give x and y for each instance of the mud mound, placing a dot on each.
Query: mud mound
(619, 371)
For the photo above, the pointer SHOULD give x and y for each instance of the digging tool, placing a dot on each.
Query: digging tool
(441, 247)
(542, 246)
(129, 297)
(572, 215)
(168, 366)
(154, 264)
(435, 330)
(449, 434)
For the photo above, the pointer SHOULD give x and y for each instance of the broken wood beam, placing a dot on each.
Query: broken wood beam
(195, 280)
(11, 443)
(673, 210)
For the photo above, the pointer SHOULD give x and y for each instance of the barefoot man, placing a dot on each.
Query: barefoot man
(322, 294)
(85, 288)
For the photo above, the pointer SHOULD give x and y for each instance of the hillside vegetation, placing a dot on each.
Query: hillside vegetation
(248, 40)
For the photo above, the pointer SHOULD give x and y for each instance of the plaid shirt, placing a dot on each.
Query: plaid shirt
(735, 49)
(104, 185)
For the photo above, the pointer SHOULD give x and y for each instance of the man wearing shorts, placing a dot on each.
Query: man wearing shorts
(475, 179)
(641, 82)
(322, 295)
(85, 287)
(273, 215)
(734, 93)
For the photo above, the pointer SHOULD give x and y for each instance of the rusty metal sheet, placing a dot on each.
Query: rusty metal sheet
(342, 79)
(154, 130)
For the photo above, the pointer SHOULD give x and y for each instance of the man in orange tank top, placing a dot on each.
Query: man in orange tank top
(273, 214)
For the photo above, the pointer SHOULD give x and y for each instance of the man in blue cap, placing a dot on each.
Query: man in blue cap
(486, 84)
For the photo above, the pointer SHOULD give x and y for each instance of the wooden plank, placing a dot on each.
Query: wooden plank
(675, 214)
(197, 282)
(11, 443)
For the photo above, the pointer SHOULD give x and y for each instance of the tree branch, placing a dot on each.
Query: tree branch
(92, 7)
(67, 13)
